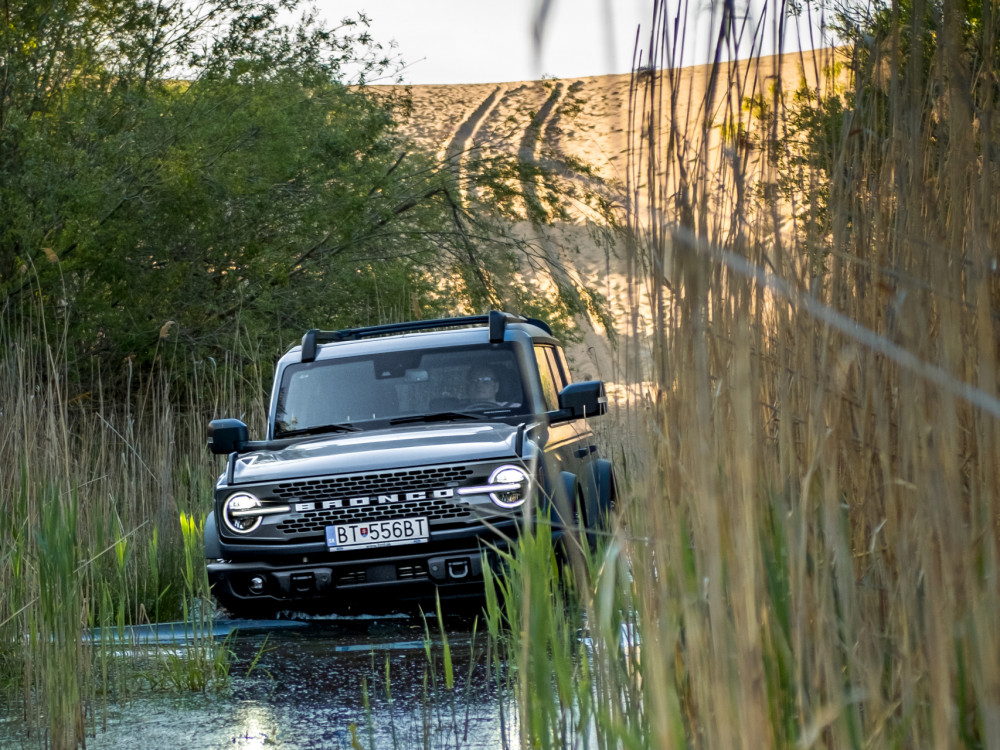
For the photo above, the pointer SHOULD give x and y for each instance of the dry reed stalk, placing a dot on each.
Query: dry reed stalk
(128, 468)
(820, 562)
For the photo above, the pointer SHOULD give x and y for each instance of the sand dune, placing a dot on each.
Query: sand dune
(587, 121)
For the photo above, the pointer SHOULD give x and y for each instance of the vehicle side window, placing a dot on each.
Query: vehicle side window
(563, 365)
(550, 389)
(560, 374)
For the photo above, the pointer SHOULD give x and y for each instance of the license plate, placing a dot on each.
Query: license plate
(376, 533)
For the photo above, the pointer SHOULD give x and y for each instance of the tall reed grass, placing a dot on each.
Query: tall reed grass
(91, 493)
(809, 555)
(806, 549)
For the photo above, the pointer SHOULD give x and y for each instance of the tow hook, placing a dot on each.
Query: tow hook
(458, 569)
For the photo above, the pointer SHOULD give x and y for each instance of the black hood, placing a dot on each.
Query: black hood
(375, 450)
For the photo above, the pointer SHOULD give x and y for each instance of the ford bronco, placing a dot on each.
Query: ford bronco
(396, 457)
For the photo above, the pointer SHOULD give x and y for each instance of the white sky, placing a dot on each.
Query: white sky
(491, 41)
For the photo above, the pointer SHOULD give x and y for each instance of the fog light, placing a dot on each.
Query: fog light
(256, 585)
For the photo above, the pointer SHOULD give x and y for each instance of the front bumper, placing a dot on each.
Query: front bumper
(449, 566)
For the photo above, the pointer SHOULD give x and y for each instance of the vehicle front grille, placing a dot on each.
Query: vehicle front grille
(315, 521)
(312, 523)
(382, 482)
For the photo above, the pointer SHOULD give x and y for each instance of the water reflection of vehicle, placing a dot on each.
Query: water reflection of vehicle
(389, 460)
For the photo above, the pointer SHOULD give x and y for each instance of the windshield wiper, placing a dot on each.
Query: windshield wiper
(440, 416)
(336, 427)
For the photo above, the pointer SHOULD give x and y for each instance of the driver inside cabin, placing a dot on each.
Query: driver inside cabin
(484, 385)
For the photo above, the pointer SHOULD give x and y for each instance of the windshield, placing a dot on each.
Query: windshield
(477, 382)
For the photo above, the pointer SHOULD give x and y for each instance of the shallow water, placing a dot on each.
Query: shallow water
(307, 690)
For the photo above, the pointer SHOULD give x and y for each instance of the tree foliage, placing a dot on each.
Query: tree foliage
(178, 171)
(906, 73)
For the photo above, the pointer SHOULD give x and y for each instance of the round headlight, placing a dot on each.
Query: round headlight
(512, 484)
(235, 515)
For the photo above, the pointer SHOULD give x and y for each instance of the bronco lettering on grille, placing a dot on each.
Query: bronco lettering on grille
(395, 497)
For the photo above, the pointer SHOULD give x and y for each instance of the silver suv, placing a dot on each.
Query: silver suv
(397, 458)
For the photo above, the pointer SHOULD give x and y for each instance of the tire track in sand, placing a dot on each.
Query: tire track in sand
(545, 121)
(460, 145)
(527, 152)
(466, 131)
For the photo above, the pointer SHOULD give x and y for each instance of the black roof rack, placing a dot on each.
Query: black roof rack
(496, 320)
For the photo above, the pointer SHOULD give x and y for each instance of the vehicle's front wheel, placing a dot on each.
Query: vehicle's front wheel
(604, 495)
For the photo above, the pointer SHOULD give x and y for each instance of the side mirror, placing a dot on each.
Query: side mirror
(226, 435)
(586, 399)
